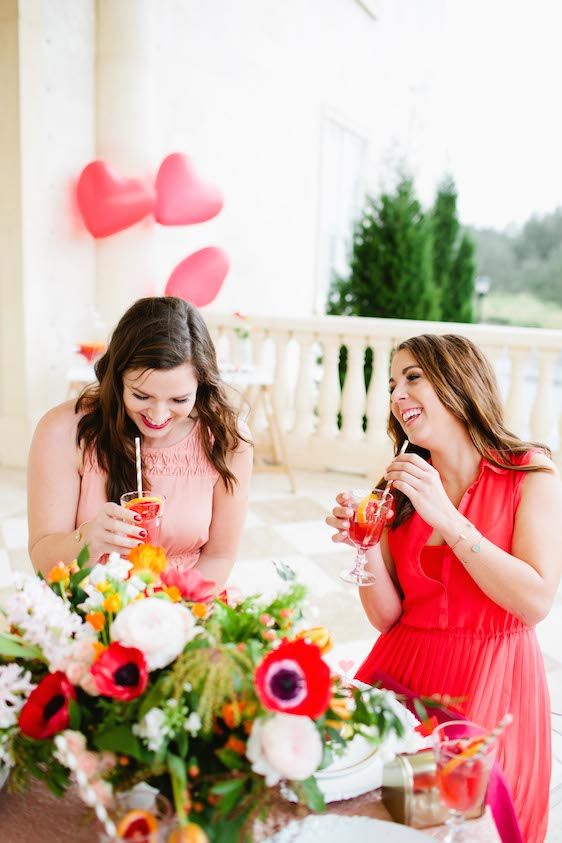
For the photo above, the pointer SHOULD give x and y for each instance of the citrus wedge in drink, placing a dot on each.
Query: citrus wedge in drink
(138, 826)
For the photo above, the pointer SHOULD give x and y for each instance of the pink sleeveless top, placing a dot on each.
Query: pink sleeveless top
(185, 476)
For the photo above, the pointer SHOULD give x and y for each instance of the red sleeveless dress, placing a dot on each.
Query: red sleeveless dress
(452, 639)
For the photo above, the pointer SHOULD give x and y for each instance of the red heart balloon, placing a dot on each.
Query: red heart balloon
(198, 278)
(109, 203)
(182, 198)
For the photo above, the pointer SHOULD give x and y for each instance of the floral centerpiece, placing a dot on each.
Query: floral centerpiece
(131, 672)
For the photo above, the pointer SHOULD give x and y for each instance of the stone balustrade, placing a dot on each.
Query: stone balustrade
(328, 428)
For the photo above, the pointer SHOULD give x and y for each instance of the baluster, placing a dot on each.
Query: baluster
(330, 392)
(353, 398)
(377, 396)
(280, 385)
(304, 391)
(516, 401)
(543, 414)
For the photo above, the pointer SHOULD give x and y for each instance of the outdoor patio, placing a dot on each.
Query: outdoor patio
(291, 528)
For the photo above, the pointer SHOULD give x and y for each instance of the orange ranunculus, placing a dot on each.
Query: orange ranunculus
(318, 635)
(231, 714)
(236, 745)
(173, 593)
(59, 573)
(96, 620)
(148, 557)
(199, 610)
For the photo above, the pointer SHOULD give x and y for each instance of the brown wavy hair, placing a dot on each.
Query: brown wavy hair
(466, 385)
(155, 333)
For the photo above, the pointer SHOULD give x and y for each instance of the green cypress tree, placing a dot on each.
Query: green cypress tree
(445, 229)
(391, 274)
(454, 267)
(458, 306)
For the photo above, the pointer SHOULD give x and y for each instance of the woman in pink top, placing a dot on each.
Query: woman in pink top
(471, 561)
(159, 381)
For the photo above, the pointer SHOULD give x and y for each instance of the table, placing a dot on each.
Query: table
(36, 815)
(254, 386)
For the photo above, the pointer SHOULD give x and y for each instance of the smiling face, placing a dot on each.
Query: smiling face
(159, 402)
(415, 404)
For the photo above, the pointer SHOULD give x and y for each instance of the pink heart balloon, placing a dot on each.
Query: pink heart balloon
(109, 203)
(198, 278)
(182, 198)
(346, 664)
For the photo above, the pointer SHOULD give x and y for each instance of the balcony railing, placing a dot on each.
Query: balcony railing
(328, 428)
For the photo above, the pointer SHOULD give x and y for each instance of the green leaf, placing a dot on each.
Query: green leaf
(231, 799)
(77, 578)
(120, 739)
(313, 796)
(178, 775)
(230, 759)
(182, 742)
(83, 556)
(421, 710)
(12, 648)
(224, 787)
(75, 715)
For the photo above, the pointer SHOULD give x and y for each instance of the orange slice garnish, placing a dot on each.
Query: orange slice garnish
(146, 499)
(471, 750)
(138, 825)
(367, 508)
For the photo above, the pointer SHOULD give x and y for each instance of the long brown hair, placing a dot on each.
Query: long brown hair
(466, 385)
(155, 333)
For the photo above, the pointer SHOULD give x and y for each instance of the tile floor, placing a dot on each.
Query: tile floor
(291, 528)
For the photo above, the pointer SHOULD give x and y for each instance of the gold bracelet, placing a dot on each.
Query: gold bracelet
(475, 548)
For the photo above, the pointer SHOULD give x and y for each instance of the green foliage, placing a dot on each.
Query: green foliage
(525, 260)
(454, 269)
(391, 263)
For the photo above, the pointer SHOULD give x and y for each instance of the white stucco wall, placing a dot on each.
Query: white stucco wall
(243, 88)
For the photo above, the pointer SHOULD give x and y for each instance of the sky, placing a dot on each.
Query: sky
(481, 98)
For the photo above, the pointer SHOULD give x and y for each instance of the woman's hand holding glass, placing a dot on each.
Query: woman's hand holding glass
(113, 530)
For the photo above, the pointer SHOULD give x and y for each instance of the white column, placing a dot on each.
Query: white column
(304, 392)
(516, 404)
(353, 399)
(280, 388)
(330, 393)
(543, 413)
(377, 396)
(125, 261)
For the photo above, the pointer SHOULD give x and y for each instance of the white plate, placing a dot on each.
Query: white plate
(332, 828)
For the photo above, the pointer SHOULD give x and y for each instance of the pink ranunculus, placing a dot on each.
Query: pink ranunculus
(192, 585)
(285, 746)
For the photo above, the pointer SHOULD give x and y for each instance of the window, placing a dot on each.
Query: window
(343, 154)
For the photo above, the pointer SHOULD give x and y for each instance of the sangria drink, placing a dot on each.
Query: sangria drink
(464, 762)
(91, 351)
(370, 511)
(149, 506)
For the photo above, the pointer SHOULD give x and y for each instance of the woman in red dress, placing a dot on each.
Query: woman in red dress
(471, 561)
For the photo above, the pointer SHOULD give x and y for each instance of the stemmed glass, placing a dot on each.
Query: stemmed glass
(370, 510)
(464, 761)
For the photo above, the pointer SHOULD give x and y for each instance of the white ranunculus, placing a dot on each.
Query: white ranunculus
(285, 746)
(158, 628)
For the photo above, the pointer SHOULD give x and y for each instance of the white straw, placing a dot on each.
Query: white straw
(386, 490)
(139, 466)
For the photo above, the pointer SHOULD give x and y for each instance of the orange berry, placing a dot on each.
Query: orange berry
(190, 833)
(193, 771)
(236, 745)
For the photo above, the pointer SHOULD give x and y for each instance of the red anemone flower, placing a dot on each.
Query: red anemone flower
(46, 711)
(294, 679)
(120, 672)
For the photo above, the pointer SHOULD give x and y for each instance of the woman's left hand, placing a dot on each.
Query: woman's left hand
(421, 483)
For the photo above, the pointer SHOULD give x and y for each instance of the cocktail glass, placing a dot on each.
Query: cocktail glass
(141, 817)
(150, 506)
(463, 771)
(370, 510)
